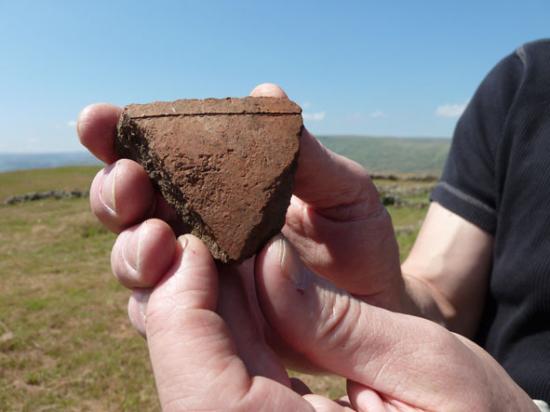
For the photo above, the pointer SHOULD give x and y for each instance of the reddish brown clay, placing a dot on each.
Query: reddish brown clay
(225, 165)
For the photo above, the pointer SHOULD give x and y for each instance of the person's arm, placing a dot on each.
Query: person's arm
(446, 272)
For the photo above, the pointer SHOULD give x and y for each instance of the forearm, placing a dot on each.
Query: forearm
(446, 275)
(419, 298)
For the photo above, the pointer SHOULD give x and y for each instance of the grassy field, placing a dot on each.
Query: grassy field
(65, 342)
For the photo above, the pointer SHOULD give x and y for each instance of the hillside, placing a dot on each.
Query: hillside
(392, 154)
(22, 161)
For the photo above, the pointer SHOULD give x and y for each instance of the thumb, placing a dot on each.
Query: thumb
(194, 356)
(324, 179)
(182, 329)
(403, 357)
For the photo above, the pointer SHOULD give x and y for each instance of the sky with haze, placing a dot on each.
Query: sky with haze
(391, 68)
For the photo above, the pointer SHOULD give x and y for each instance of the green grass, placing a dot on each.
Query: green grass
(72, 346)
(41, 180)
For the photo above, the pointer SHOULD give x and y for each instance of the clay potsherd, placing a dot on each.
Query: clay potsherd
(225, 165)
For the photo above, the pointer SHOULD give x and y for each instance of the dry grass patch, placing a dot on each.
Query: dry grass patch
(65, 342)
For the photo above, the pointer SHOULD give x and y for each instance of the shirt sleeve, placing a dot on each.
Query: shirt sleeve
(468, 185)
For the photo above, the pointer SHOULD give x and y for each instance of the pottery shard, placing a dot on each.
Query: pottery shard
(225, 165)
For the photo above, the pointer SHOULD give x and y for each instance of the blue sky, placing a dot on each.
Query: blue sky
(399, 68)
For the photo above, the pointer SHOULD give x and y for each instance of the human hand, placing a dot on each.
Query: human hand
(392, 361)
(147, 259)
(205, 350)
(199, 360)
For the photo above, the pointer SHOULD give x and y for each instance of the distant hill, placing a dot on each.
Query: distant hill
(392, 154)
(19, 161)
(376, 154)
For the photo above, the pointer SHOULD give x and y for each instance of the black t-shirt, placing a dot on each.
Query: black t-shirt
(497, 176)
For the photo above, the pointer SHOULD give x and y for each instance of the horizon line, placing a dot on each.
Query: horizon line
(318, 135)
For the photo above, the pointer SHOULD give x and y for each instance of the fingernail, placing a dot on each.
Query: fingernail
(291, 265)
(131, 251)
(183, 241)
(107, 192)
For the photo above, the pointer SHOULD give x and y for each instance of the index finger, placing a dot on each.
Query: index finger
(96, 129)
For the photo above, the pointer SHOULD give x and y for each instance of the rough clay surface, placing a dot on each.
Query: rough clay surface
(225, 165)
